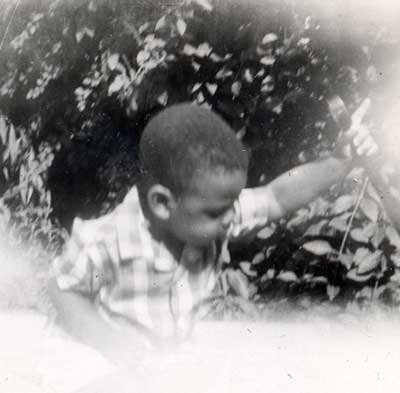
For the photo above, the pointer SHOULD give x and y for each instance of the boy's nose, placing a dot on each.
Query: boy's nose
(227, 218)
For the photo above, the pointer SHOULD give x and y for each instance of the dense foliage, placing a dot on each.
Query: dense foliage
(81, 78)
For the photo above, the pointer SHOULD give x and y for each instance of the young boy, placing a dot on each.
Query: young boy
(138, 271)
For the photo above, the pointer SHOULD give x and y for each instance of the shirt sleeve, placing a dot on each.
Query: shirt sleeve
(85, 264)
(250, 214)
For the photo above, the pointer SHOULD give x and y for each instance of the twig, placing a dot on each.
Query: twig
(359, 199)
(346, 235)
(9, 24)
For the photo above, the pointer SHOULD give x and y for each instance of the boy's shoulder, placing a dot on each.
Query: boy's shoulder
(117, 232)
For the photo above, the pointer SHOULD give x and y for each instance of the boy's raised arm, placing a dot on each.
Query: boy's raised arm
(300, 185)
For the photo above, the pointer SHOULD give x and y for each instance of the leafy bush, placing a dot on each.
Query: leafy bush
(81, 78)
(341, 248)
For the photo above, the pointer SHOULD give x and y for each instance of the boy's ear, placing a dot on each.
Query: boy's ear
(160, 201)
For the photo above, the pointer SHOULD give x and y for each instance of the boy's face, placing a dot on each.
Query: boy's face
(205, 213)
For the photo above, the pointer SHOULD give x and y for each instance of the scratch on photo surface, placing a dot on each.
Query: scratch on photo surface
(9, 24)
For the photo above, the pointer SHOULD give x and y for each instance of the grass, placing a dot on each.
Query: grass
(24, 270)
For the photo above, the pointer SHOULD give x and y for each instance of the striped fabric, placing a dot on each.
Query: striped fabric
(115, 260)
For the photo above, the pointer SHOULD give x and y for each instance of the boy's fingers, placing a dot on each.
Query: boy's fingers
(355, 130)
(360, 112)
(367, 152)
(362, 136)
(367, 148)
(373, 150)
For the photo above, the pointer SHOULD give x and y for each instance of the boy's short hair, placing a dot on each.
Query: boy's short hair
(186, 139)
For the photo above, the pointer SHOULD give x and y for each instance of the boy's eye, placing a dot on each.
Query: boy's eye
(217, 213)
(214, 214)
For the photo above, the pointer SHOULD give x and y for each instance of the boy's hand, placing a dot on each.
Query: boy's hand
(357, 142)
(363, 144)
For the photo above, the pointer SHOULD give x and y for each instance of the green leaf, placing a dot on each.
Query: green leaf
(370, 229)
(371, 191)
(266, 232)
(196, 87)
(393, 236)
(143, 27)
(369, 263)
(196, 66)
(360, 255)
(267, 80)
(133, 105)
(395, 257)
(203, 50)
(189, 50)
(395, 278)
(181, 26)
(113, 61)
(378, 237)
(268, 88)
(365, 293)
(223, 73)
(238, 282)
(12, 144)
(287, 276)
(358, 235)
(332, 291)
(370, 209)
(247, 76)
(246, 268)
(315, 229)
(270, 250)
(200, 98)
(300, 217)
(353, 276)
(339, 224)
(267, 60)
(29, 194)
(116, 85)
(269, 38)
(319, 207)
(270, 274)
(161, 23)
(258, 258)
(216, 58)
(22, 193)
(319, 280)
(6, 174)
(163, 98)
(342, 204)
(236, 86)
(205, 4)
(225, 254)
(346, 260)
(318, 247)
(3, 130)
(212, 88)
(85, 31)
(142, 56)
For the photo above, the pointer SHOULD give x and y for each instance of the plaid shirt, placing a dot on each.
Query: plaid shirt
(115, 260)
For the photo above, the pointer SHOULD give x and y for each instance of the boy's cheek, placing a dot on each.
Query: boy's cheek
(204, 232)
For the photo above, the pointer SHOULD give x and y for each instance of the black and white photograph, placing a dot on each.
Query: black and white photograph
(199, 196)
